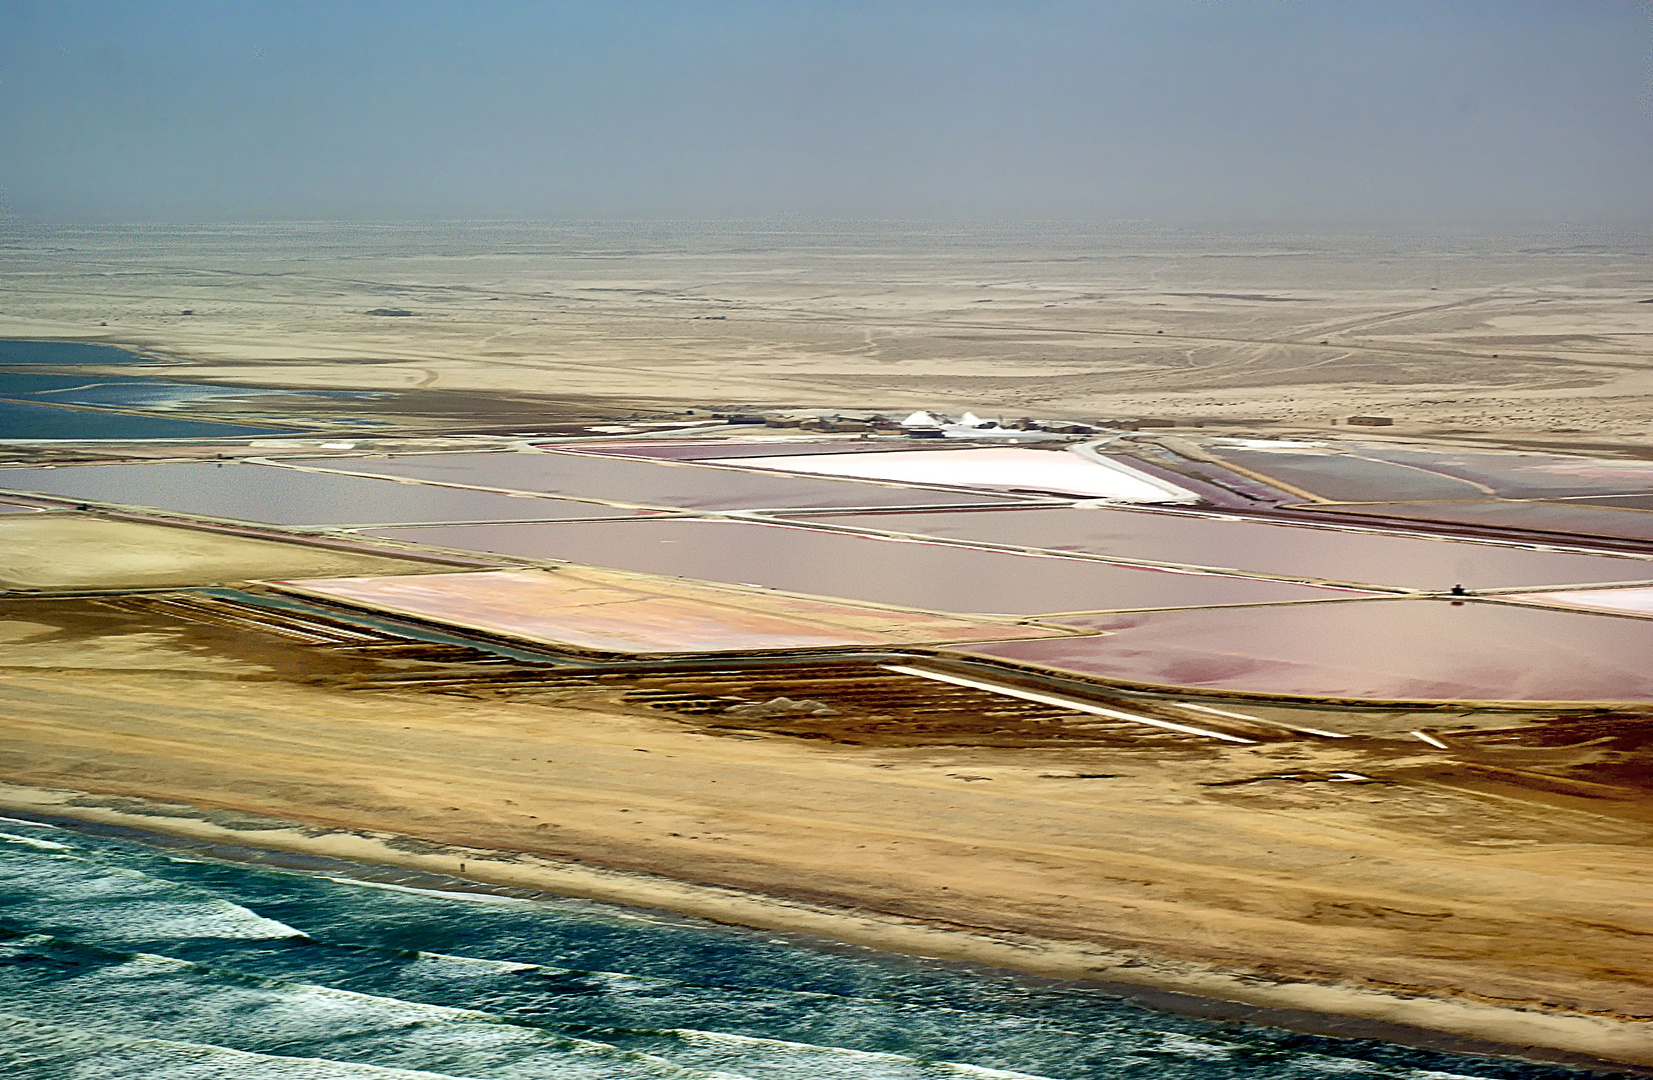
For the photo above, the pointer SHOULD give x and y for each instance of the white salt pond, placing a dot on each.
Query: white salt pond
(1008, 467)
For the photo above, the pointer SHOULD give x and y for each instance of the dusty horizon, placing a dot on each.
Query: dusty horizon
(1535, 336)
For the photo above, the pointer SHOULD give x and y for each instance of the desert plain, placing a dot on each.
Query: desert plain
(1495, 892)
(1543, 335)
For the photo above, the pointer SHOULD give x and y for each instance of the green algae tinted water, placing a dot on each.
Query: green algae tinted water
(121, 960)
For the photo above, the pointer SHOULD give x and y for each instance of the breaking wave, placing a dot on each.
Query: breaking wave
(118, 960)
(69, 893)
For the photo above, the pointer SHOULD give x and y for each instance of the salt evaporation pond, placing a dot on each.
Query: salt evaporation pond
(1374, 473)
(1411, 650)
(1517, 476)
(1345, 477)
(602, 612)
(1263, 547)
(710, 449)
(1565, 519)
(1630, 601)
(934, 577)
(647, 483)
(273, 495)
(1003, 467)
(1622, 502)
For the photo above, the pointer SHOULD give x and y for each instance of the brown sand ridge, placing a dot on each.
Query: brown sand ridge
(1445, 898)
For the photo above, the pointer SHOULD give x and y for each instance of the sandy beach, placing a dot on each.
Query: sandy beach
(1453, 906)
(1455, 1024)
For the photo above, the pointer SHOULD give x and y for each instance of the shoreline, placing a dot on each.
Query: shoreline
(1460, 1025)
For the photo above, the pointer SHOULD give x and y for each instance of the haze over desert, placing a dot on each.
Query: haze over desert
(1521, 336)
(797, 541)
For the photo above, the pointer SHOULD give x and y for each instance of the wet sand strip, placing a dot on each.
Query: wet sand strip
(404, 862)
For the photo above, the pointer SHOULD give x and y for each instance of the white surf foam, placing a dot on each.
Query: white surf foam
(153, 997)
(1173, 1042)
(29, 841)
(781, 1058)
(73, 1054)
(443, 894)
(30, 824)
(441, 965)
(1338, 1066)
(88, 900)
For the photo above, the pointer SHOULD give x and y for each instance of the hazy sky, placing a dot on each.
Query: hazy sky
(1384, 113)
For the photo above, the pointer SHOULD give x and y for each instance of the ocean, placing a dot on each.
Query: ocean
(122, 959)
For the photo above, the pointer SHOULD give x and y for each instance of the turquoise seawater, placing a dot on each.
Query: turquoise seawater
(32, 403)
(118, 959)
(32, 407)
(29, 420)
(14, 351)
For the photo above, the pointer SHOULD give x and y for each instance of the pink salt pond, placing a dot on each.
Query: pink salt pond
(1388, 650)
(1633, 601)
(932, 577)
(1259, 547)
(603, 612)
(662, 484)
(244, 491)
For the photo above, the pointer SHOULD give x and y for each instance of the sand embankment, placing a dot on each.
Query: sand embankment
(70, 551)
(1426, 906)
